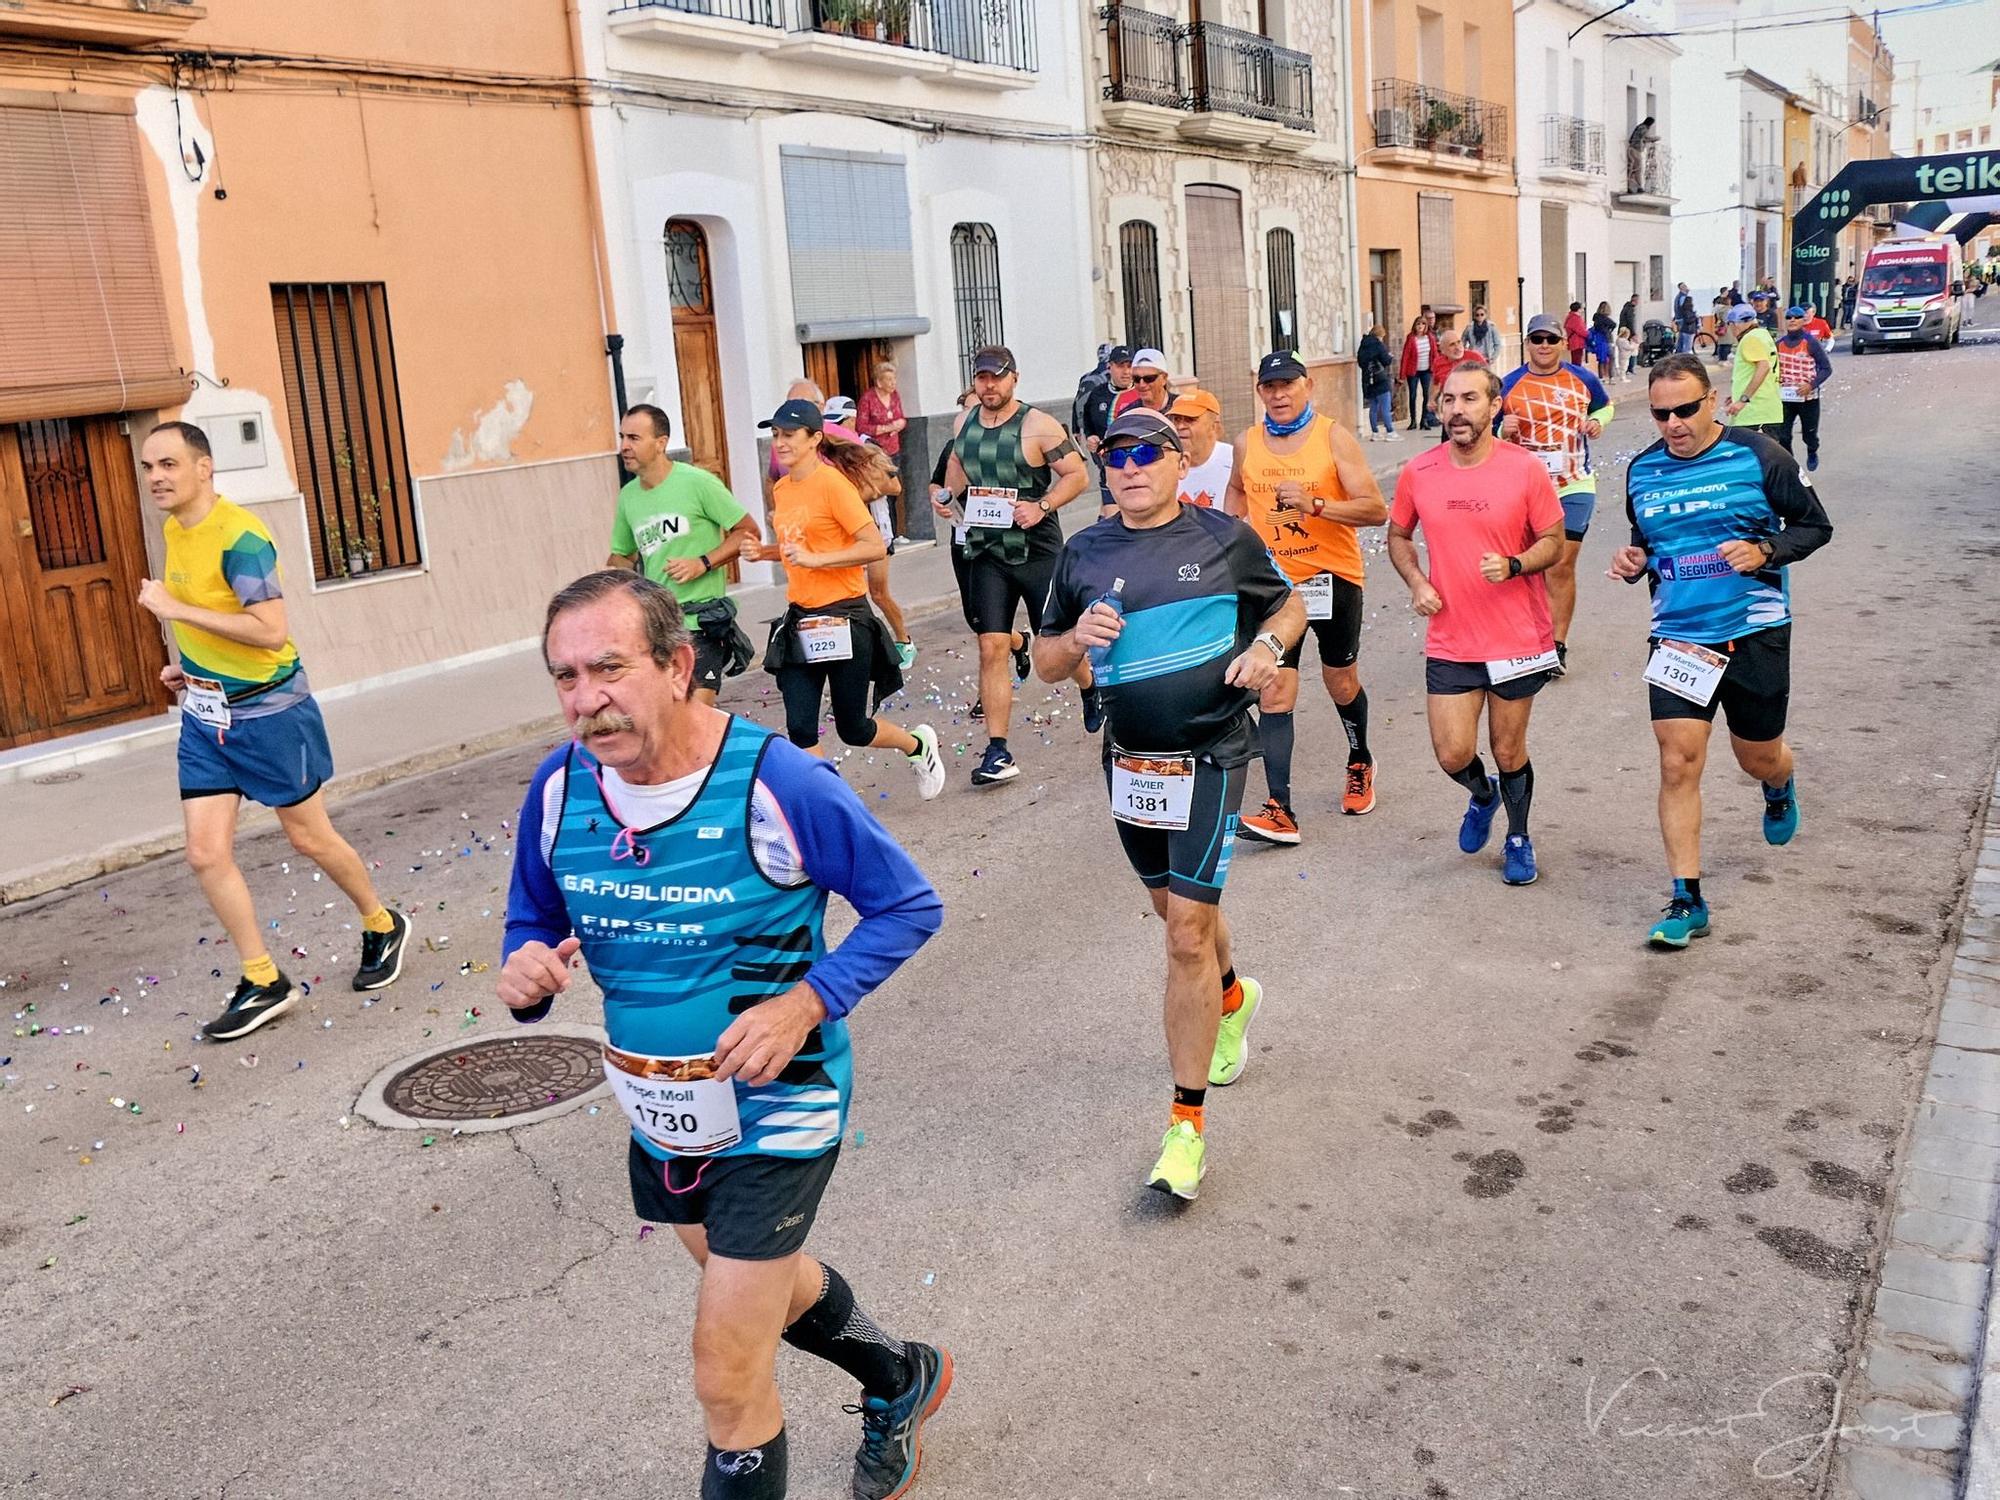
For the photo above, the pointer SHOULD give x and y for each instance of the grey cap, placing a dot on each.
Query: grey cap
(1545, 323)
(1742, 312)
(1141, 424)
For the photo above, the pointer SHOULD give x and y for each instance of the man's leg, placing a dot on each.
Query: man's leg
(1454, 726)
(1683, 754)
(312, 833)
(739, 1315)
(1770, 761)
(1194, 995)
(211, 854)
(996, 680)
(1808, 428)
(1562, 589)
(1507, 726)
(1276, 736)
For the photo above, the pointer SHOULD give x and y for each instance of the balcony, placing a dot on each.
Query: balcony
(1420, 126)
(1763, 185)
(1572, 149)
(115, 23)
(1649, 177)
(1204, 81)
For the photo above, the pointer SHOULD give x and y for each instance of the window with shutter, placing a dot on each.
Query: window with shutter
(1139, 278)
(1281, 266)
(847, 228)
(1437, 252)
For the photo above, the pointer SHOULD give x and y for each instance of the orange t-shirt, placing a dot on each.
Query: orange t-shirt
(823, 512)
(1302, 544)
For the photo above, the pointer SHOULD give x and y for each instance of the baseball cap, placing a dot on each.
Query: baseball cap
(1545, 323)
(1280, 364)
(1141, 424)
(1149, 359)
(1795, 312)
(1758, 294)
(795, 414)
(1193, 402)
(1118, 354)
(994, 359)
(838, 409)
(1740, 313)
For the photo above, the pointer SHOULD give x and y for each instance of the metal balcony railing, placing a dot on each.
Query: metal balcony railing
(1572, 145)
(1148, 56)
(1431, 119)
(1763, 185)
(1649, 171)
(997, 32)
(1204, 67)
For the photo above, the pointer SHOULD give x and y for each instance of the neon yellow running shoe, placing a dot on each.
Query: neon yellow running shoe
(1183, 1160)
(1232, 1052)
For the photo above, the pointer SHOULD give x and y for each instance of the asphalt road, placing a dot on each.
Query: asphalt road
(1491, 1162)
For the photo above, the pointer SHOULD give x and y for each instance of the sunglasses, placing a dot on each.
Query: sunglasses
(1545, 338)
(1685, 410)
(1145, 455)
(1149, 379)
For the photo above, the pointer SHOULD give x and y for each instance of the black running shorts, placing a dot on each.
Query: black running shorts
(1340, 637)
(1192, 861)
(993, 589)
(1755, 692)
(1445, 679)
(710, 657)
(753, 1207)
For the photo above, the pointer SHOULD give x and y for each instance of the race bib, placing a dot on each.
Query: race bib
(826, 638)
(992, 508)
(1789, 393)
(675, 1102)
(1555, 460)
(1317, 592)
(1687, 671)
(1498, 672)
(206, 702)
(1152, 791)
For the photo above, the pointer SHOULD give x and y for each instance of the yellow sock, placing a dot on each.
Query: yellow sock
(378, 920)
(260, 970)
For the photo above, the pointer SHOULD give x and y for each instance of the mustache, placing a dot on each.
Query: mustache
(604, 723)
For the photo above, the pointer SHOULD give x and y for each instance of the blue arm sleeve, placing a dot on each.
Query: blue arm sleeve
(535, 910)
(1599, 396)
(847, 852)
(1822, 366)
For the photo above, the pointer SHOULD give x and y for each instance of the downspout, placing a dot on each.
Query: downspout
(607, 302)
(1351, 199)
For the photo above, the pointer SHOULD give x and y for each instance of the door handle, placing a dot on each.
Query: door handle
(26, 526)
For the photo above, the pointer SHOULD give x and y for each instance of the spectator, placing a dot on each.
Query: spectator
(879, 414)
(1628, 315)
(1451, 353)
(1736, 294)
(1603, 333)
(1419, 353)
(1686, 323)
(1849, 290)
(1625, 352)
(1481, 337)
(1378, 384)
(1576, 332)
(1643, 136)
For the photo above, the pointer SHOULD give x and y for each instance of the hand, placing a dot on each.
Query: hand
(534, 972)
(1256, 669)
(1805, 390)
(1745, 557)
(768, 1035)
(760, 551)
(1627, 563)
(1426, 600)
(1099, 625)
(172, 678)
(1291, 495)
(153, 596)
(1510, 427)
(796, 556)
(1493, 567)
(1028, 513)
(1732, 407)
(1592, 427)
(685, 569)
(941, 501)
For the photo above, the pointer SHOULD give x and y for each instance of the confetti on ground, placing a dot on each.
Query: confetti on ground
(68, 1392)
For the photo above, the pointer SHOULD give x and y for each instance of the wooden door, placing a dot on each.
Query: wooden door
(71, 557)
(1219, 295)
(693, 297)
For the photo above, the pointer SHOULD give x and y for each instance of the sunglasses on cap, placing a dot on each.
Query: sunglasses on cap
(1145, 455)
(1545, 338)
(1685, 410)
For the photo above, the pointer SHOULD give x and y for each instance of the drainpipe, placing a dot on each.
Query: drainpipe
(1351, 200)
(614, 341)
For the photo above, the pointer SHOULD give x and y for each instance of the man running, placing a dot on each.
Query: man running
(1093, 414)
(1303, 484)
(1188, 621)
(1803, 368)
(1149, 384)
(249, 724)
(680, 526)
(1553, 408)
(1492, 524)
(688, 854)
(1753, 382)
(1717, 516)
(1014, 468)
(1197, 417)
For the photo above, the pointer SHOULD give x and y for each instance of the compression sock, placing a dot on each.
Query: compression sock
(378, 920)
(1472, 776)
(746, 1473)
(1517, 790)
(1277, 733)
(1232, 992)
(1690, 889)
(835, 1330)
(260, 970)
(1188, 1105)
(1354, 719)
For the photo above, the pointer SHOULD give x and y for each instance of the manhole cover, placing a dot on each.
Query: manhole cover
(492, 1083)
(58, 778)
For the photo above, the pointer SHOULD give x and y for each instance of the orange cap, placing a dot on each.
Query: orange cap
(1193, 402)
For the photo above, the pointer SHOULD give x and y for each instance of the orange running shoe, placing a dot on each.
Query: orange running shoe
(1274, 825)
(1359, 797)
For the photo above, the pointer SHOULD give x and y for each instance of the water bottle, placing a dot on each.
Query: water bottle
(1116, 600)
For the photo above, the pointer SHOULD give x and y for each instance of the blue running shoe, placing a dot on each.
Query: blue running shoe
(995, 766)
(1477, 827)
(1812, 462)
(886, 1463)
(1093, 710)
(1518, 860)
(1781, 813)
(1683, 920)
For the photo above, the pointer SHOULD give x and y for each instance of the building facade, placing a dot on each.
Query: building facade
(1728, 145)
(397, 353)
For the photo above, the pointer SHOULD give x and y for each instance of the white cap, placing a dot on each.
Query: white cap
(838, 408)
(1149, 359)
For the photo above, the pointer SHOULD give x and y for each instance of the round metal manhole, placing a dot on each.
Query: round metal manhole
(491, 1083)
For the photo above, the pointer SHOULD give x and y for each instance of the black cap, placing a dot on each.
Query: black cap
(1118, 354)
(794, 415)
(1141, 424)
(994, 359)
(1280, 364)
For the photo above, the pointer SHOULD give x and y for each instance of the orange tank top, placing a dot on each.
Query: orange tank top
(1303, 544)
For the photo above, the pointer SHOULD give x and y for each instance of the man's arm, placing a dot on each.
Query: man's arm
(1822, 365)
(261, 624)
(1364, 505)
(1807, 527)
(1235, 498)
(1543, 554)
(537, 944)
(1043, 441)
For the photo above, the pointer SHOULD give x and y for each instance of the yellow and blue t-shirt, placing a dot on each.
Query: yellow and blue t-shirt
(228, 562)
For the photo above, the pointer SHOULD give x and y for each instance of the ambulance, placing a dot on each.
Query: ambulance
(1905, 295)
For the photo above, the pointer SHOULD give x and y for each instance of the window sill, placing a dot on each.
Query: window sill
(692, 29)
(385, 575)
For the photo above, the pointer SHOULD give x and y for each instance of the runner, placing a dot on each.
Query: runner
(1093, 410)
(949, 510)
(842, 415)
(1553, 408)
(1492, 523)
(1722, 616)
(688, 854)
(680, 526)
(249, 724)
(1149, 384)
(829, 643)
(1188, 621)
(1755, 402)
(1303, 485)
(1197, 417)
(1803, 368)
(1014, 468)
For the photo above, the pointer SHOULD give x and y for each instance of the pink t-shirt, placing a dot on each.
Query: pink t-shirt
(1499, 506)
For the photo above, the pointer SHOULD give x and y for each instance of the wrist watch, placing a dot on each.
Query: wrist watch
(1046, 507)
(1269, 639)
(1513, 567)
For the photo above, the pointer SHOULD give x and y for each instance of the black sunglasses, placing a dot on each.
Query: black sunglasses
(1545, 338)
(1684, 410)
(1149, 379)
(1145, 455)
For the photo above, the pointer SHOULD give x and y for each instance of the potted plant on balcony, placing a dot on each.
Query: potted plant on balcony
(1438, 119)
(1472, 141)
(836, 15)
(896, 22)
(867, 22)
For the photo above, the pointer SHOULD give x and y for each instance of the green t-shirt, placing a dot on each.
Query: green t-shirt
(684, 517)
(1754, 347)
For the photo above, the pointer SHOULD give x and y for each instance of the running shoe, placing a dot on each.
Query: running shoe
(1183, 1160)
(250, 1007)
(995, 766)
(906, 654)
(1024, 663)
(1359, 797)
(1682, 921)
(1477, 826)
(382, 955)
(1561, 668)
(1781, 813)
(1274, 825)
(929, 764)
(1812, 462)
(892, 1448)
(978, 713)
(1517, 860)
(1093, 710)
(1232, 1055)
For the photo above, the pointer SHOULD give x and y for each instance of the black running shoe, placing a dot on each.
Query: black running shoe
(250, 1007)
(886, 1463)
(1093, 710)
(978, 713)
(382, 955)
(1024, 664)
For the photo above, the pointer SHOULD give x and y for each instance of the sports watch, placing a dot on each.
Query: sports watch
(1270, 638)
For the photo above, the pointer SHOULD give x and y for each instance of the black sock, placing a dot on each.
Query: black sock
(835, 1330)
(746, 1473)
(1690, 889)
(1354, 719)
(1192, 1098)
(1228, 981)
(1472, 776)
(1001, 742)
(1277, 733)
(1517, 790)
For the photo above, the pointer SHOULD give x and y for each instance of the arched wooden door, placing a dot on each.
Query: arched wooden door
(692, 290)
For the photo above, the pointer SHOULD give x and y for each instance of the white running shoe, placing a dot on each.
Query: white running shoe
(929, 764)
